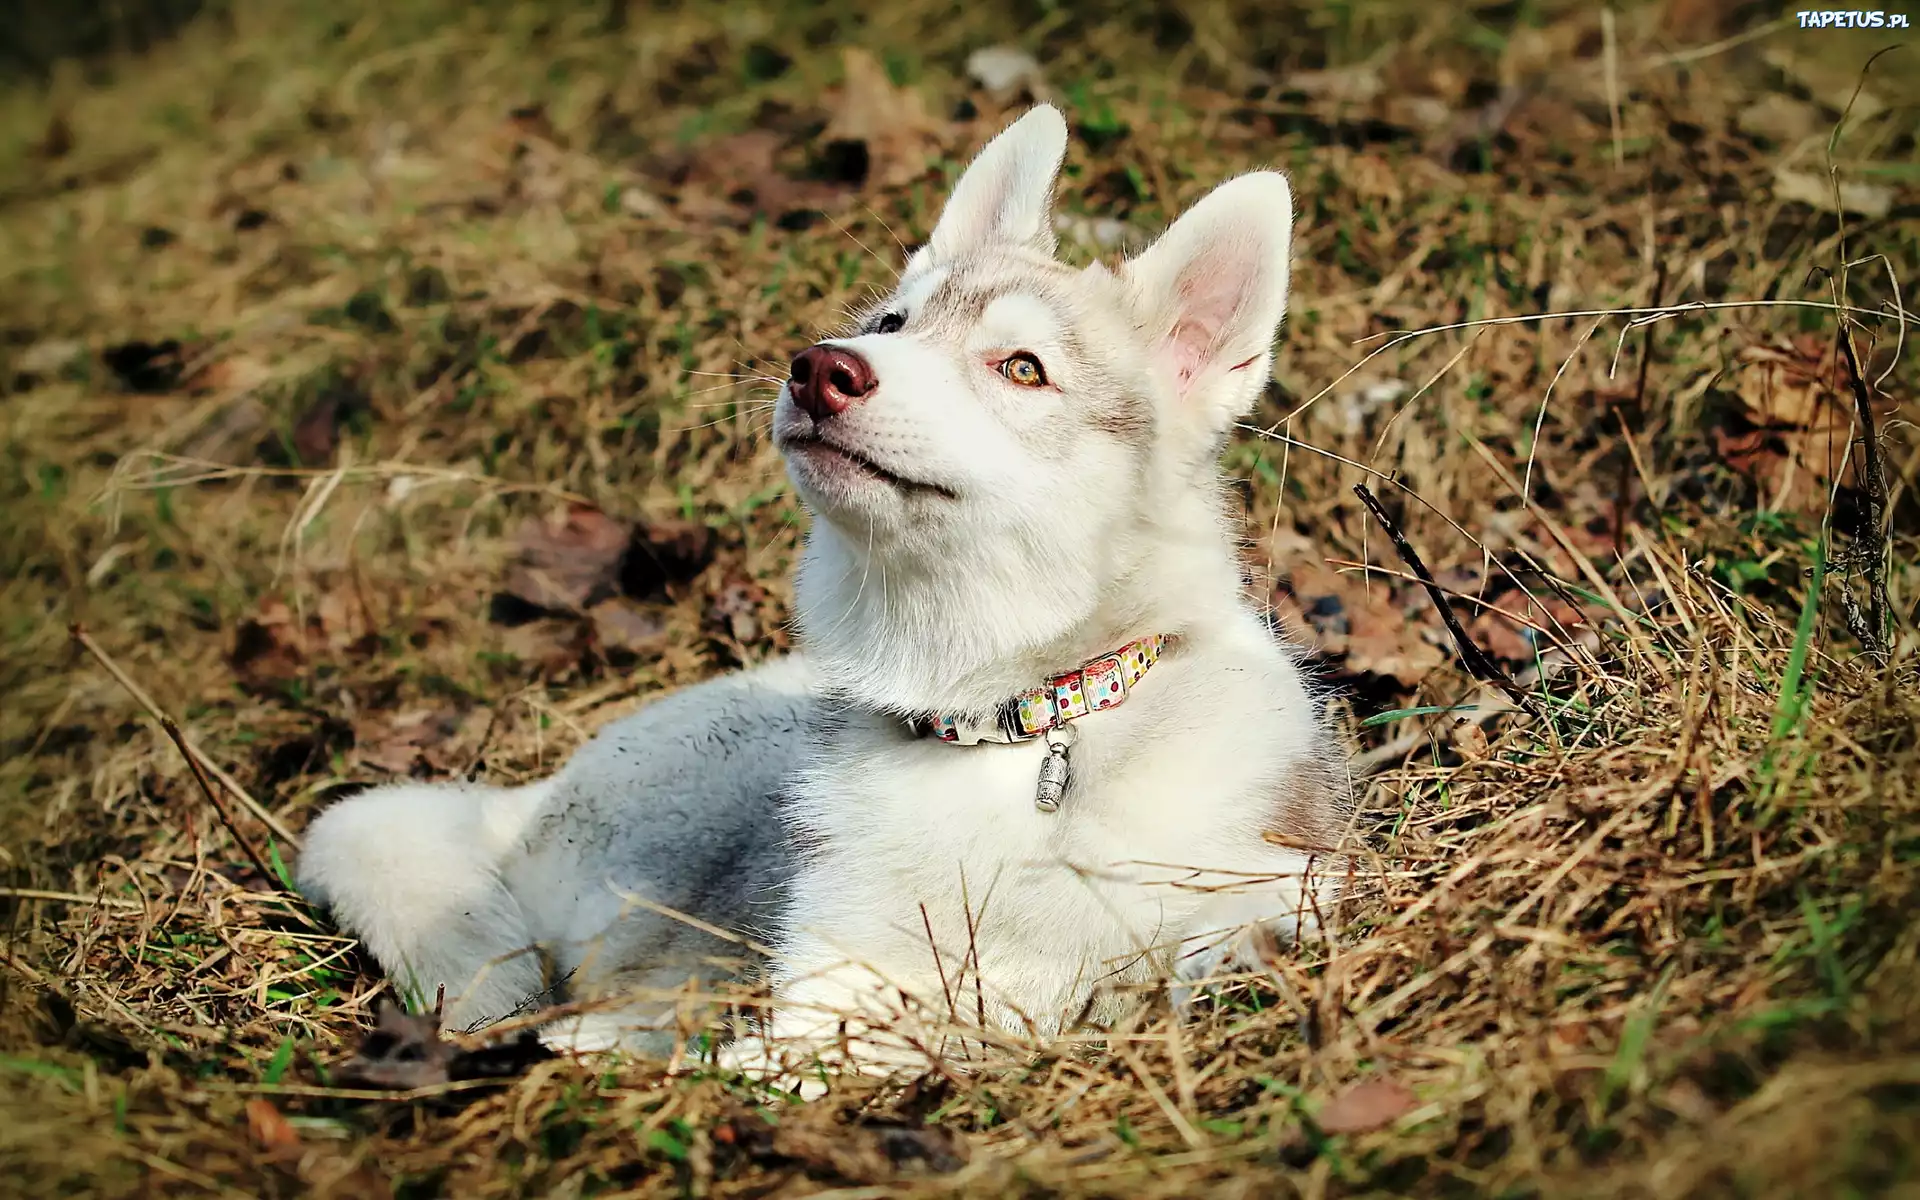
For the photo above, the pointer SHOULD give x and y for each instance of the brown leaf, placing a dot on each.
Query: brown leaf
(855, 1154)
(270, 1129)
(316, 435)
(1693, 22)
(436, 740)
(737, 609)
(1820, 192)
(892, 123)
(568, 563)
(1685, 1099)
(620, 626)
(1364, 627)
(1007, 73)
(1792, 392)
(401, 1052)
(663, 553)
(234, 374)
(1342, 85)
(1387, 644)
(1370, 1104)
(1786, 382)
(1781, 119)
(405, 1052)
(275, 644)
(1470, 739)
(1505, 638)
(56, 141)
(740, 174)
(553, 648)
(148, 368)
(268, 647)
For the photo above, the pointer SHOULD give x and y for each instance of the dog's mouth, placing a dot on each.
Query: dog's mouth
(815, 444)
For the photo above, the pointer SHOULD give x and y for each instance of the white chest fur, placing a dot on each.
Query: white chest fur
(932, 866)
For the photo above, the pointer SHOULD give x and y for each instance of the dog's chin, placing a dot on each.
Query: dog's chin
(838, 479)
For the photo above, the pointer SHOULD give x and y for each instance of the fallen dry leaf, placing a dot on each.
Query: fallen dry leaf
(235, 374)
(620, 626)
(1786, 382)
(663, 553)
(583, 557)
(269, 646)
(553, 647)
(898, 136)
(275, 644)
(404, 1052)
(1503, 637)
(735, 178)
(1007, 73)
(270, 1129)
(148, 368)
(862, 1153)
(737, 609)
(1797, 427)
(1820, 192)
(569, 563)
(437, 741)
(1364, 628)
(1686, 1100)
(1370, 1104)
(1834, 84)
(1470, 739)
(316, 435)
(1341, 85)
(1781, 119)
(401, 1052)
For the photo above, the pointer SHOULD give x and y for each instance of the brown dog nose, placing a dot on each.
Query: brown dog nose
(825, 380)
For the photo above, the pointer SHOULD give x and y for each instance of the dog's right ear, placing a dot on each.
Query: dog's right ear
(1006, 195)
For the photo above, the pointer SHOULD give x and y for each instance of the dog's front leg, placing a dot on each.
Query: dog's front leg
(1242, 928)
(837, 1020)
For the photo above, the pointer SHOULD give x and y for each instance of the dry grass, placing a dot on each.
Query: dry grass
(1655, 938)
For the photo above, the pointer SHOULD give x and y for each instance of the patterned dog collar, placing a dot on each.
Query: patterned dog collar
(1100, 684)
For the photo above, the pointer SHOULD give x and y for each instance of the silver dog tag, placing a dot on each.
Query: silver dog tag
(1055, 772)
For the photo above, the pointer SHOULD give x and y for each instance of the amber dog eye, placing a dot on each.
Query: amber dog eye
(1025, 370)
(890, 323)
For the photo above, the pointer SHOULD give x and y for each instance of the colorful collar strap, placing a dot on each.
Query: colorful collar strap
(1100, 684)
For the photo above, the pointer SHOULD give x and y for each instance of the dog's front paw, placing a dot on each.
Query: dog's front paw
(758, 1061)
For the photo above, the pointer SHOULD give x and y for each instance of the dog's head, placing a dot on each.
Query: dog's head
(1006, 454)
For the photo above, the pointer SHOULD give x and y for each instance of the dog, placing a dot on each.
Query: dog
(1037, 754)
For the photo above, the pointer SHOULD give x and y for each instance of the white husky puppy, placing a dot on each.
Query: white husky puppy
(1038, 750)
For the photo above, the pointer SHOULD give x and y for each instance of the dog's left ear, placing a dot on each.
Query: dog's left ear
(1006, 194)
(1211, 292)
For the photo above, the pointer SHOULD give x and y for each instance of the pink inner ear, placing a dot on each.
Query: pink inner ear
(1188, 345)
(1210, 293)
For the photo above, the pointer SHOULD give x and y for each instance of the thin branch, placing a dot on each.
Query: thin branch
(219, 806)
(1477, 662)
(1871, 549)
(186, 744)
